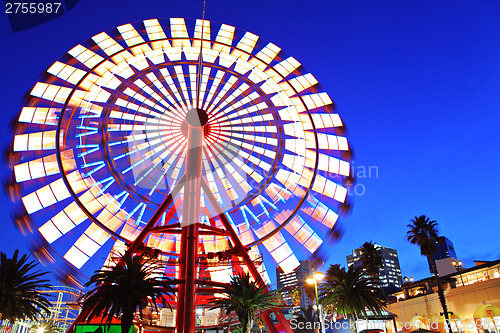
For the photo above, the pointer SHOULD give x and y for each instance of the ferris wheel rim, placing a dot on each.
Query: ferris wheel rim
(124, 85)
(247, 198)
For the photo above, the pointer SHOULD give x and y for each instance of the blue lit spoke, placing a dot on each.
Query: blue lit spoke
(158, 182)
(139, 219)
(261, 203)
(98, 165)
(123, 155)
(245, 207)
(79, 135)
(88, 151)
(230, 220)
(134, 210)
(123, 194)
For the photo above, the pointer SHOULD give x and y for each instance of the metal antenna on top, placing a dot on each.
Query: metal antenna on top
(198, 83)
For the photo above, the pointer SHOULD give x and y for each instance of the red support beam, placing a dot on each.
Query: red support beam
(139, 241)
(244, 254)
(186, 307)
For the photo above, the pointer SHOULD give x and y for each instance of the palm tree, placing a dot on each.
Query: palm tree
(20, 288)
(351, 293)
(371, 259)
(424, 233)
(245, 297)
(134, 282)
(45, 326)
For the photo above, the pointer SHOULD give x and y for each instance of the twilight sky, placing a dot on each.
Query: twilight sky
(416, 83)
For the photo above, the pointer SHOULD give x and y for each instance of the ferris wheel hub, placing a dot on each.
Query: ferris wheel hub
(197, 117)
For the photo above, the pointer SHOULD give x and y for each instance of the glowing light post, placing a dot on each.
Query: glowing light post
(458, 267)
(314, 280)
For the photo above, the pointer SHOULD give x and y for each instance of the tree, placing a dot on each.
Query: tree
(245, 297)
(134, 282)
(371, 259)
(350, 293)
(21, 287)
(424, 233)
(45, 326)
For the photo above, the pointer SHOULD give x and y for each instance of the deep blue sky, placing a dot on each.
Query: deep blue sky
(416, 82)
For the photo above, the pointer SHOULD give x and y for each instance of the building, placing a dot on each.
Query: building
(472, 297)
(296, 280)
(389, 274)
(444, 250)
(64, 309)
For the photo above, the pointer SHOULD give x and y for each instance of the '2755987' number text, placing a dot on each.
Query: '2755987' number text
(32, 7)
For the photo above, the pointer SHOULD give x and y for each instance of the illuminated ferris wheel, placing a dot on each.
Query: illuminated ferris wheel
(135, 140)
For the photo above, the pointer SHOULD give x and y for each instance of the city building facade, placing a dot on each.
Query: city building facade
(389, 274)
(296, 280)
(472, 296)
(444, 250)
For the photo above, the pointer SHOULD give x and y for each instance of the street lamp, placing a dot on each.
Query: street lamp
(314, 280)
(458, 267)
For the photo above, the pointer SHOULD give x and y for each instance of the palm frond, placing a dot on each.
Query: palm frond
(21, 286)
(133, 283)
(350, 293)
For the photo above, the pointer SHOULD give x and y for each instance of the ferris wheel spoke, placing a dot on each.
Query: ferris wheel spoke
(137, 118)
(70, 74)
(263, 202)
(278, 248)
(146, 89)
(213, 89)
(221, 94)
(193, 76)
(204, 83)
(40, 115)
(242, 115)
(254, 148)
(72, 215)
(147, 157)
(137, 108)
(94, 237)
(229, 99)
(240, 163)
(184, 105)
(303, 233)
(139, 97)
(320, 212)
(156, 162)
(51, 92)
(180, 76)
(158, 182)
(44, 166)
(156, 82)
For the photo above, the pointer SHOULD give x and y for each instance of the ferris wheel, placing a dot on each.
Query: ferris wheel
(133, 139)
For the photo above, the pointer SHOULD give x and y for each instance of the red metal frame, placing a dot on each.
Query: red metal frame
(193, 182)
